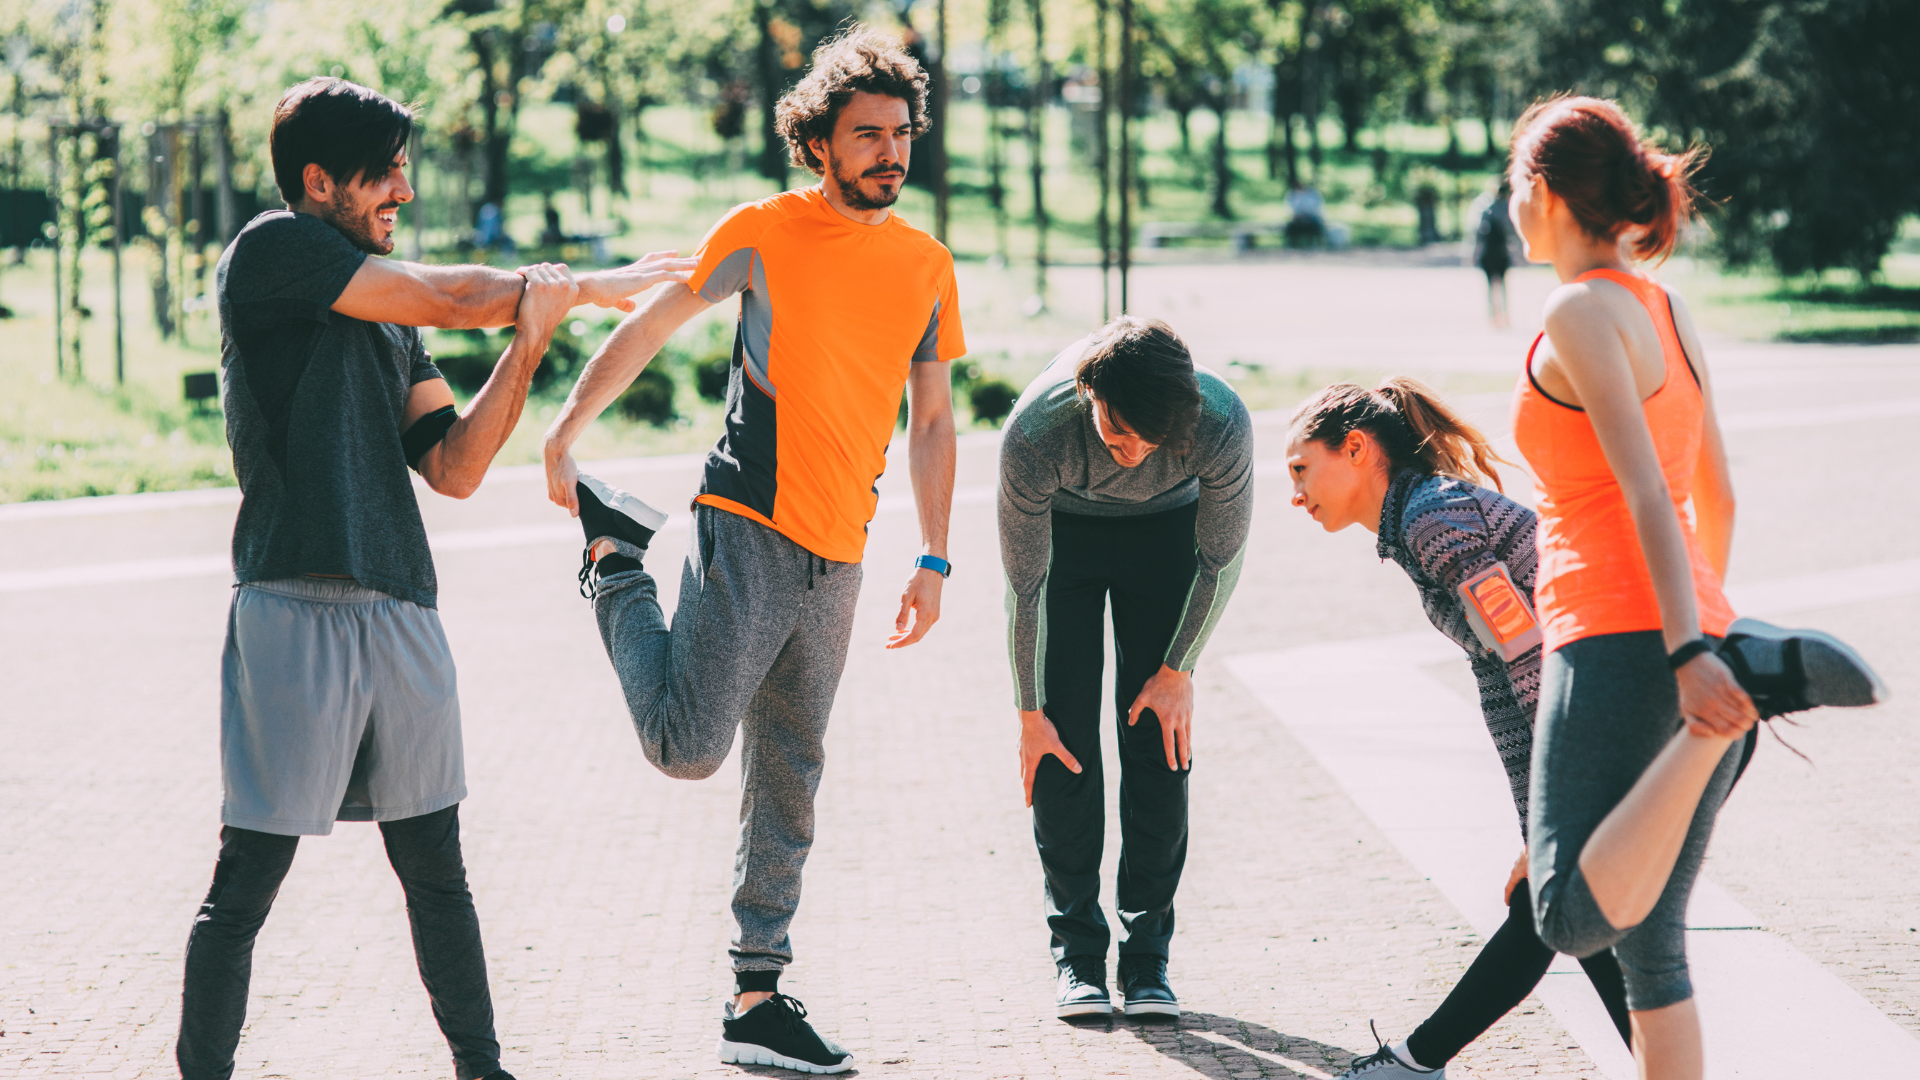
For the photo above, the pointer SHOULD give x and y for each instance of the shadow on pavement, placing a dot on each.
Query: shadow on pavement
(1221, 1046)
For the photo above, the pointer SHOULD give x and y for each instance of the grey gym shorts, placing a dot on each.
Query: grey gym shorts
(337, 702)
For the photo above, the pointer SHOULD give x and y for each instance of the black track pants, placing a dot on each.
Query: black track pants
(1145, 565)
(425, 853)
(1506, 971)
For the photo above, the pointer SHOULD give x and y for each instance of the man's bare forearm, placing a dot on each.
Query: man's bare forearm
(621, 358)
(930, 453)
(476, 296)
(491, 416)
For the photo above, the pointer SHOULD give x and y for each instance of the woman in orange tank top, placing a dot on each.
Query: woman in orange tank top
(1615, 416)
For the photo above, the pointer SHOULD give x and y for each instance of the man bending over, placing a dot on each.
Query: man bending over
(1126, 476)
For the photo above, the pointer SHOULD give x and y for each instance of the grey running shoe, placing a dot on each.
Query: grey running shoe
(1082, 988)
(1788, 671)
(1384, 1064)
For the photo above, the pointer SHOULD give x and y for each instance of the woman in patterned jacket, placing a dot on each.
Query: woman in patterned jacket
(1397, 461)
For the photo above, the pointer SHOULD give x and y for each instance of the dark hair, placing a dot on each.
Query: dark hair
(861, 60)
(1409, 421)
(343, 127)
(1591, 155)
(1141, 371)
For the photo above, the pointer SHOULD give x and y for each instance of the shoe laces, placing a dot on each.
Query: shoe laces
(589, 588)
(1382, 1055)
(1087, 970)
(792, 1011)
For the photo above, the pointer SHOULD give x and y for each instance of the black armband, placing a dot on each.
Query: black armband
(426, 433)
(1685, 653)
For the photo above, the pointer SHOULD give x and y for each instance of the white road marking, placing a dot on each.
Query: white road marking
(1416, 758)
(563, 531)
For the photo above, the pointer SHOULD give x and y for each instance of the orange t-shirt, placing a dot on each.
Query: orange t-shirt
(832, 315)
(1593, 577)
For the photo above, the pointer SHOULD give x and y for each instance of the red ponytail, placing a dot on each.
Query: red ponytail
(1591, 155)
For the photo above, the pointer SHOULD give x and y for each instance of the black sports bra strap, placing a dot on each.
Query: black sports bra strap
(1677, 339)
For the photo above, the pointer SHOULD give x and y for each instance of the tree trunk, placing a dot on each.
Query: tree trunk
(1222, 166)
(1102, 154)
(616, 150)
(1037, 143)
(773, 149)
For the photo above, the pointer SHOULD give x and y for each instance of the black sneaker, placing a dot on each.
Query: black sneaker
(1082, 988)
(607, 513)
(1788, 671)
(1143, 982)
(775, 1032)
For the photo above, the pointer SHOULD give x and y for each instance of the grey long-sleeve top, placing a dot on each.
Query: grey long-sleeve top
(1442, 531)
(1052, 458)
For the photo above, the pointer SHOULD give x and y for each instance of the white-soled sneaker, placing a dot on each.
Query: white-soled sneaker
(608, 513)
(775, 1032)
(1384, 1064)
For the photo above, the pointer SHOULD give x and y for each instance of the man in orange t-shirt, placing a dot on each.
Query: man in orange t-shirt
(842, 304)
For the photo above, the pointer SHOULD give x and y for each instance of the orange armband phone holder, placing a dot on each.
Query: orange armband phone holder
(1499, 613)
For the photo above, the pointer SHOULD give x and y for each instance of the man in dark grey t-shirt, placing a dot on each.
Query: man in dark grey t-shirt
(338, 699)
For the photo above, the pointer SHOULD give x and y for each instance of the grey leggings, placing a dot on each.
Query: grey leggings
(1608, 706)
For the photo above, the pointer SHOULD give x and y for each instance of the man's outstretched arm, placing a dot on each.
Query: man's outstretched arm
(457, 463)
(467, 297)
(613, 368)
(930, 457)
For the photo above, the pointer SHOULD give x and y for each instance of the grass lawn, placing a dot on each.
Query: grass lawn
(63, 435)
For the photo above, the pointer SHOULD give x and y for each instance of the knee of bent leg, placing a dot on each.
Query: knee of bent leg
(1568, 919)
(691, 768)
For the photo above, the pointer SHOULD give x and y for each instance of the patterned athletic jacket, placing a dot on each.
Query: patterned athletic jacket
(1442, 531)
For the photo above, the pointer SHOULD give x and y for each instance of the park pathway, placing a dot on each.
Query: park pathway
(603, 886)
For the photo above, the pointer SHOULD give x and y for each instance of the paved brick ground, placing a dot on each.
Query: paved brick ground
(603, 886)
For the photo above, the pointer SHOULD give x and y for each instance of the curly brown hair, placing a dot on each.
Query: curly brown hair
(861, 60)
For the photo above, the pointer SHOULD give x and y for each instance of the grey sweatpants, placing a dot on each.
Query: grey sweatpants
(757, 645)
(1608, 706)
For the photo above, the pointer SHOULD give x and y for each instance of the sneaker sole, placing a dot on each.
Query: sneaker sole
(1768, 632)
(1084, 1008)
(733, 1053)
(624, 503)
(1153, 1008)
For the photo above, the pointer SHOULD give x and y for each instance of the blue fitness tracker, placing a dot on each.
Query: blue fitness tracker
(934, 563)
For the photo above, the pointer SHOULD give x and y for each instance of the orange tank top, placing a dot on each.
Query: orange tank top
(1593, 576)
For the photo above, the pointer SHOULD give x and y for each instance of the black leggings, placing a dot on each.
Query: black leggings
(1145, 566)
(425, 853)
(1506, 971)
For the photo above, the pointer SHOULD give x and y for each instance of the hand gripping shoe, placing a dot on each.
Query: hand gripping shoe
(608, 513)
(1788, 671)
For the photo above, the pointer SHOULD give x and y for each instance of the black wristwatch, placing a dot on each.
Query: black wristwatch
(934, 563)
(1681, 656)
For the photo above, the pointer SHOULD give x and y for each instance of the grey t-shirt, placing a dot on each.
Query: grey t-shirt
(1053, 459)
(314, 401)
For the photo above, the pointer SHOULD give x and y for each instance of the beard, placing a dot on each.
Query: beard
(360, 227)
(849, 185)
